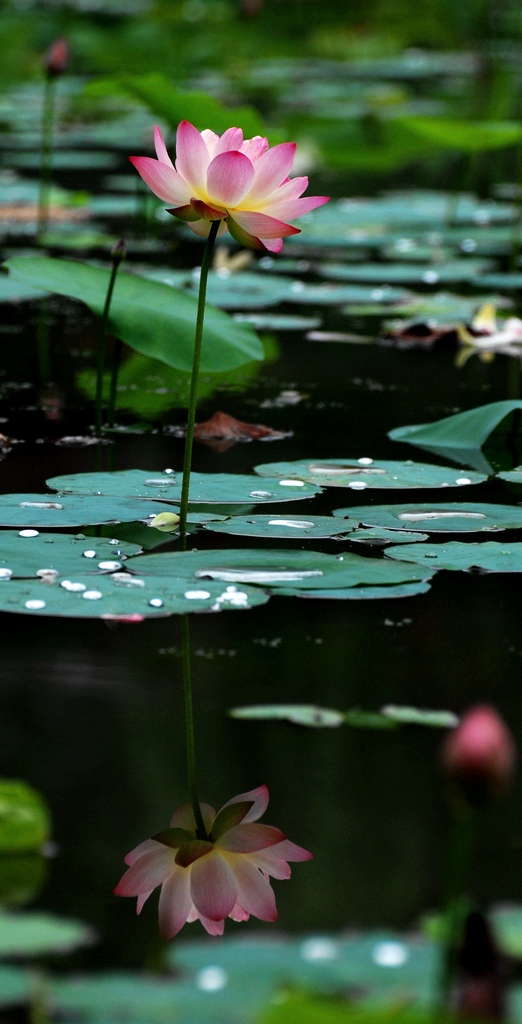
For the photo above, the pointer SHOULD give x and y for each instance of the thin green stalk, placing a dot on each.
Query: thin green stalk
(189, 728)
(191, 415)
(46, 154)
(100, 362)
(462, 839)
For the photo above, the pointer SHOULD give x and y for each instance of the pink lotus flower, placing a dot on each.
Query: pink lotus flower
(240, 182)
(480, 754)
(224, 875)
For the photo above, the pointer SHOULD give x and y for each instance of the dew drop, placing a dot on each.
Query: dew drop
(109, 565)
(211, 979)
(29, 533)
(5, 574)
(169, 472)
(463, 480)
(291, 483)
(390, 954)
(156, 602)
(260, 494)
(73, 588)
(113, 541)
(357, 485)
(128, 578)
(365, 462)
(47, 572)
(92, 595)
(89, 553)
(297, 524)
(34, 605)
(196, 595)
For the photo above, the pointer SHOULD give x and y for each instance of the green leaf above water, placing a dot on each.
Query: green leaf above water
(152, 318)
(450, 517)
(463, 431)
(24, 818)
(298, 714)
(359, 474)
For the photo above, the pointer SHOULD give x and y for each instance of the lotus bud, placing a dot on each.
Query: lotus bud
(480, 755)
(119, 251)
(57, 57)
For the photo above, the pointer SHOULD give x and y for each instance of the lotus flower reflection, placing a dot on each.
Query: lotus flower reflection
(240, 182)
(223, 875)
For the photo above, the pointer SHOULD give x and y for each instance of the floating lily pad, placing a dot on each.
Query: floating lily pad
(453, 517)
(358, 474)
(456, 555)
(16, 986)
(295, 527)
(298, 714)
(403, 715)
(513, 476)
(123, 596)
(36, 934)
(299, 570)
(51, 511)
(443, 307)
(278, 321)
(27, 553)
(223, 488)
(358, 593)
(24, 818)
(336, 294)
(448, 272)
(380, 535)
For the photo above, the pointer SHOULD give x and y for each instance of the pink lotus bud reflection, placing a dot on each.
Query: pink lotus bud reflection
(224, 874)
(480, 754)
(240, 182)
(56, 58)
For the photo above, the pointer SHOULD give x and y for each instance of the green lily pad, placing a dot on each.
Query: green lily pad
(420, 716)
(459, 556)
(24, 818)
(243, 290)
(443, 307)
(123, 595)
(152, 318)
(448, 272)
(361, 593)
(64, 510)
(22, 876)
(300, 570)
(222, 488)
(16, 986)
(513, 476)
(29, 553)
(298, 714)
(37, 934)
(358, 474)
(380, 535)
(336, 294)
(296, 527)
(278, 321)
(16, 291)
(453, 517)
(506, 921)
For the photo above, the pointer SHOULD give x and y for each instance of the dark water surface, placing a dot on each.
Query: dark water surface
(92, 711)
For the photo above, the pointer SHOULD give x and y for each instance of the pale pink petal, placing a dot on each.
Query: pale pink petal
(202, 228)
(272, 244)
(211, 140)
(138, 851)
(249, 838)
(175, 903)
(142, 899)
(254, 148)
(147, 872)
(242, 237)
(239, 914)
(192, 156)
(184, 817)
(231, 139)
(164, 181)
(212, 886)
(270, 865)
(290, 189)
(229, 178)
(290, 851)
(161, 149)
(289, 209)
(259, 798)
(261, 226)
(212, 927)
(272, 169)
(254, 892)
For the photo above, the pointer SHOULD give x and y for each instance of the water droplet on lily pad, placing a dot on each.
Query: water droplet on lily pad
(390, 954)
(89, 554)
(92, 595)
(5, 574)
(196, 595)
(34, 605)
(73, 588)
(109, 565)
(29, 533)
(156, 602)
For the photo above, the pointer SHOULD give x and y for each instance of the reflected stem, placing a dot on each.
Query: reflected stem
(189, 728)
(193, 395)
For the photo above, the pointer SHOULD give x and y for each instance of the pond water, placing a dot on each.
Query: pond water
(92, 711)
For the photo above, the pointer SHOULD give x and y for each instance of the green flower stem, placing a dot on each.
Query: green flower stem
(193, 396)
(46, 154)
(462, 839)
(189, 728)
(100, 363)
